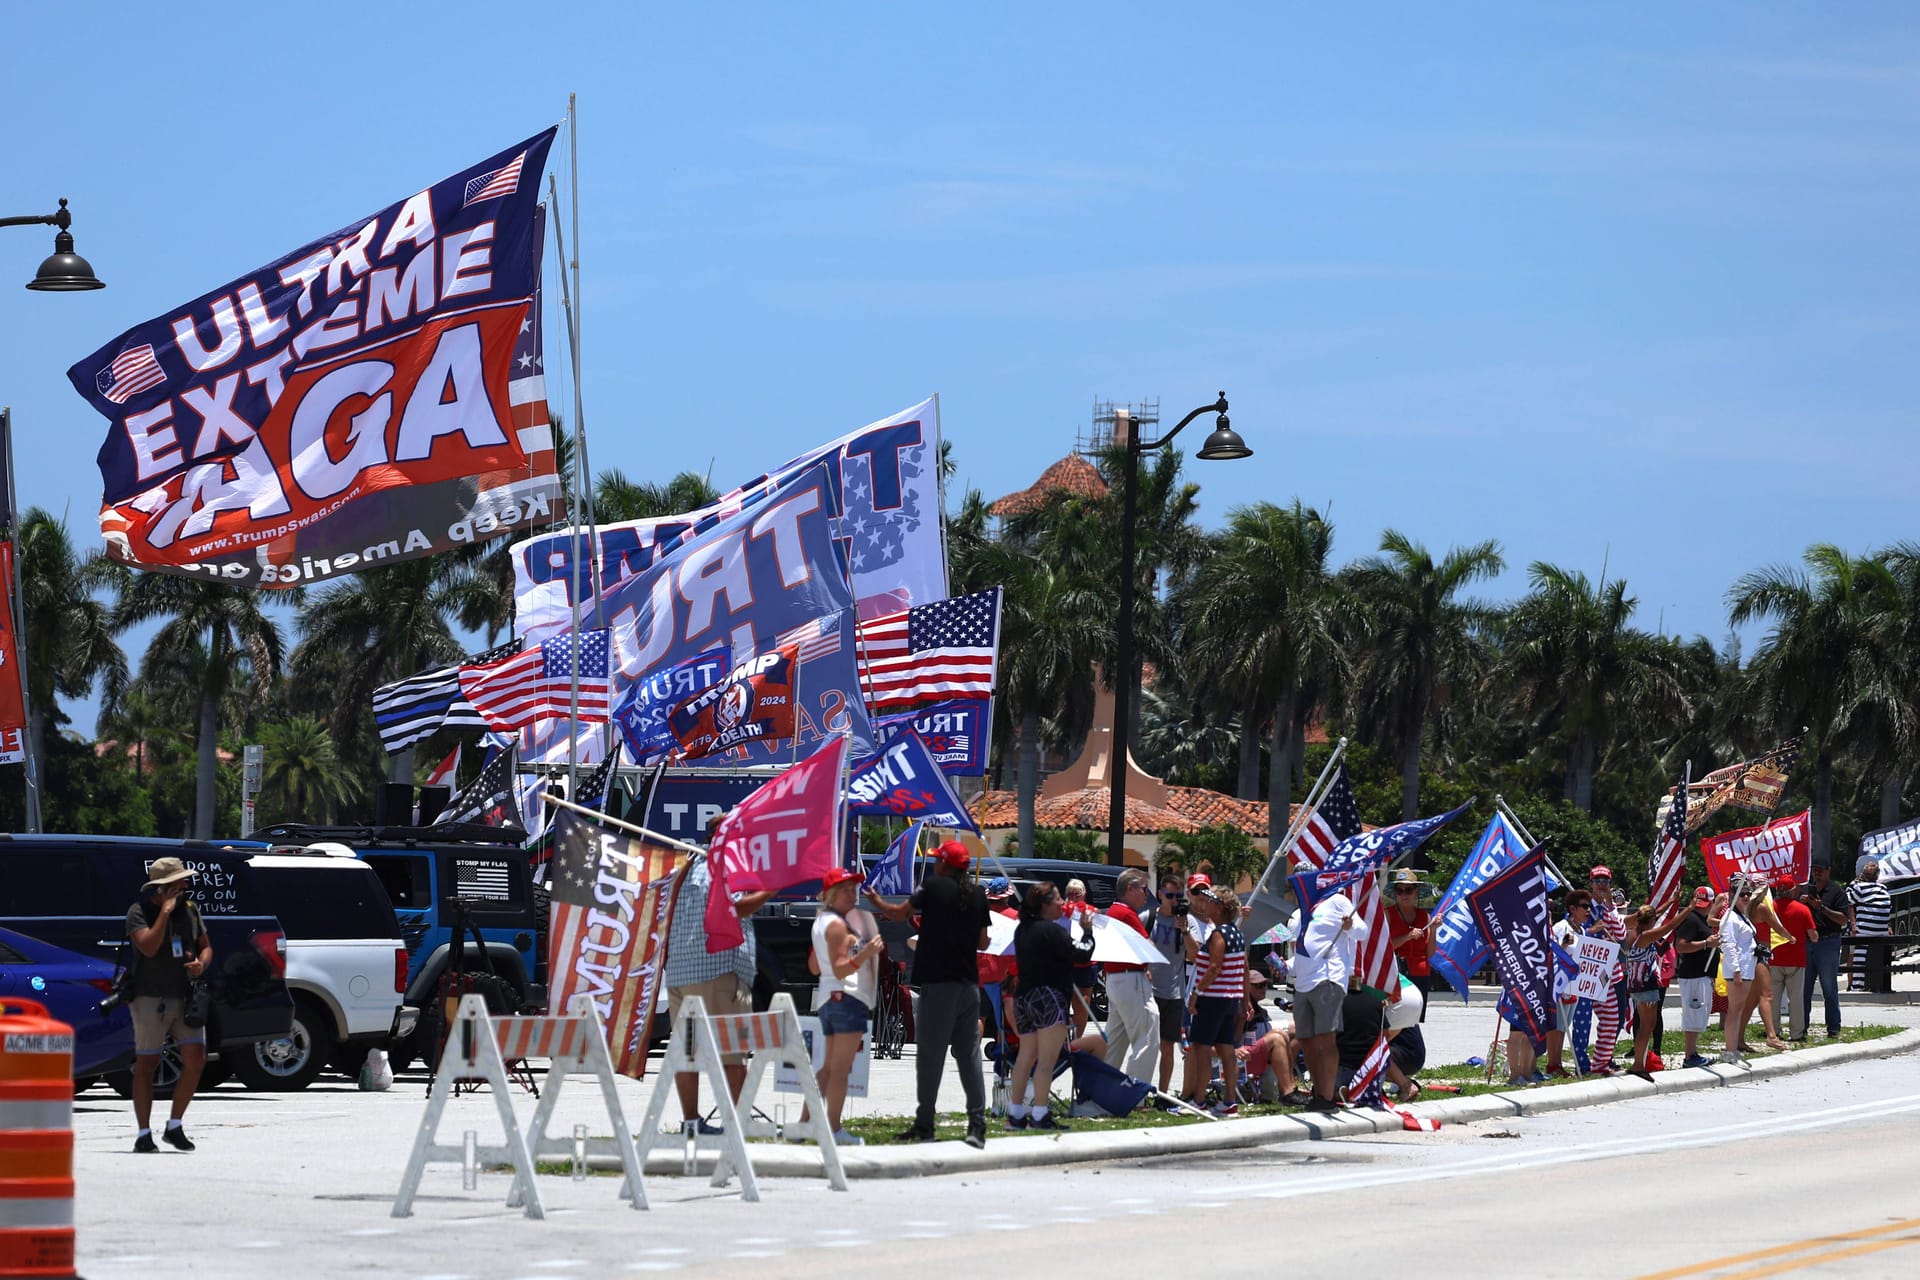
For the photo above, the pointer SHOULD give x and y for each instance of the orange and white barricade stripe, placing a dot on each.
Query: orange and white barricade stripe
(479, 1047)
(774, 1039)
(36, 1141)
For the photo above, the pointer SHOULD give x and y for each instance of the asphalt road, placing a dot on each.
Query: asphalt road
(1815, 1172)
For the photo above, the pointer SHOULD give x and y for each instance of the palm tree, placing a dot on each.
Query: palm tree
(234, 638)
(303, 779)
(138, 718)
(1420, 637)
(1052, 625)
(1263, 619)
(391, 623)
(1580, 674)
(66, 638)
(616, 498)
(1831, 661)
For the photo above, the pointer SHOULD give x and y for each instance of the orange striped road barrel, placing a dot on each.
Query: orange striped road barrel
(36, 1141)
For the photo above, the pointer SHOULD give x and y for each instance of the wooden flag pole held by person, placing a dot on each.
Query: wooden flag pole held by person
(642, 832)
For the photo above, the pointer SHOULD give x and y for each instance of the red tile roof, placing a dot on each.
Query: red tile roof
(1085, 810)
(1072, 475)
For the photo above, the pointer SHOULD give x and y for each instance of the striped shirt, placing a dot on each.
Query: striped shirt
(1231, 981)
(1872, 907)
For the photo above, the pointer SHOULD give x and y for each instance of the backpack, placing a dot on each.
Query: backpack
(1669, 962)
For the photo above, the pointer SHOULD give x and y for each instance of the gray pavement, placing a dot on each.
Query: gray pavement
(304, 1183)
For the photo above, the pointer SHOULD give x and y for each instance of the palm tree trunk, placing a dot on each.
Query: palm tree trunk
(1890, 796)
(1823, 808)
(1027, 777)
(209, 761)
(37, 733)
(1580, 780)
(1280, 772)
(1249, 788)
(1410, 778)
(1297, 750)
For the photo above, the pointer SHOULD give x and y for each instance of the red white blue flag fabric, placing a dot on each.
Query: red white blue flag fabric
(892, 874)
(1511, 910)
(1668, 865)
(903, 781)
(753, 704)
(931, 652)
(1335, 818)
(538, 683)
(957, 733)
(360, 400)
(641, 713)
(786, 833)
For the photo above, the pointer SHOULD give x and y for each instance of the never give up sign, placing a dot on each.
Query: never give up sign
(367, 398)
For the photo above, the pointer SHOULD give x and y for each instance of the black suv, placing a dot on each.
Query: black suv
(74, 891)
(438, 879)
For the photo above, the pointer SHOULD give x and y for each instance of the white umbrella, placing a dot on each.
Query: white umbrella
(1113, 942)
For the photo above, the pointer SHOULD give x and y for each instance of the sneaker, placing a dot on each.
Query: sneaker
(1731, 1058)
(1296, 1098)
(1016, 1123)
(844, 1139)
(702, 1127)
(1539, 1077)
(914, 1134)
(1225, 1110)
(177, 1138)
(1049, 1123)
(145, 1143)
(1324, 1105)
(1695, 1060)
(977, 1135)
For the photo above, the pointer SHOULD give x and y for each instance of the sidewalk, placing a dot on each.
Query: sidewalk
(936, 1158)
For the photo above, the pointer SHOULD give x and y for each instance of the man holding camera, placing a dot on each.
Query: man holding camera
(171, 952)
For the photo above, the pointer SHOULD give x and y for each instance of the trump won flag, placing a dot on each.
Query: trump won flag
(372, 396)
(613, 900)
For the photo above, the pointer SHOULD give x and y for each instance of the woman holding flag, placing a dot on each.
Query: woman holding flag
(1642, 960)
(843, 955)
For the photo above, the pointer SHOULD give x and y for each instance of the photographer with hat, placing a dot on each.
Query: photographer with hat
(946, 968)
(170, 953)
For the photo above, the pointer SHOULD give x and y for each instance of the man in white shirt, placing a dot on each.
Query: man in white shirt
(1323, 963)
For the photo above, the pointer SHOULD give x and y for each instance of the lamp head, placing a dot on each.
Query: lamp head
(1223, 443)
(65, 271)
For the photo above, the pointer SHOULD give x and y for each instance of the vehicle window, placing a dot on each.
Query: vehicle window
(407, 877)
(222, 887)
(52, 882)
(9, 956)
(327, 902)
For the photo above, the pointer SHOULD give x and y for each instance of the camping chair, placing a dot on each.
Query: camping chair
(1106, 1087)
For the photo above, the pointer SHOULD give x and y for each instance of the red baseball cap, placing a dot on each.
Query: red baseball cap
(838, 876)
(1703, 897)
(1600, 872)
(954, 854)
(1200, 882)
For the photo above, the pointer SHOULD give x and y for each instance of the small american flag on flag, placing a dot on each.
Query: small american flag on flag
(132, 371)
(493, 185)
(489, 880)
(1334, 819)
(819, 638)
(537, 683)
(1668, 865)
(931, 652)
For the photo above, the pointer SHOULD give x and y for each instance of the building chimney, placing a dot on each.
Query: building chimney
(1122, 427)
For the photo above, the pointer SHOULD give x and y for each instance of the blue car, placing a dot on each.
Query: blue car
(71, 986)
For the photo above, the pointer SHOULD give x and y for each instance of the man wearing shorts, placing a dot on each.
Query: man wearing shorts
(1694, 939)
(170, 952)
(1323, 961)
(722, 979)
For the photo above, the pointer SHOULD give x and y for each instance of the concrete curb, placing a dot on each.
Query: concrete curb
(938, 1158)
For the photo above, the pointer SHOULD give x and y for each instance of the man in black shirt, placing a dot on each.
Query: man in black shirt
(1694, 940)
(946, 969)
(1363, 1020)
(1832, 917)
(171, 951)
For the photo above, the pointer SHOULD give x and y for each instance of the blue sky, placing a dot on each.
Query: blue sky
(1633, 284)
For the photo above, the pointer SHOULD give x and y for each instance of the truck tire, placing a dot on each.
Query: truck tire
(291, 1062)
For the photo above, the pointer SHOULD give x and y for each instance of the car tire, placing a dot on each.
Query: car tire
(165, 1076)
(291, 1062)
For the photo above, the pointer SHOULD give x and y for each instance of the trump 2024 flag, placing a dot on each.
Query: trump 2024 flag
(371, 396)
(904, 781)
(786, 833)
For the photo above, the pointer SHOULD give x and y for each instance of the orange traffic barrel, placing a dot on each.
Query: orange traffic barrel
(36, 1141)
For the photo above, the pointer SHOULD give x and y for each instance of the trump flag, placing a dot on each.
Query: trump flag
(753, 704)
(904, 781)
(372, 396)
(786, 833)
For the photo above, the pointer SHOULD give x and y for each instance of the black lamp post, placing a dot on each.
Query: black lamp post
(65, 271)
(1224, 444)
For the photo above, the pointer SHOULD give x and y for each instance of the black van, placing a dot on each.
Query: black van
(74, 891)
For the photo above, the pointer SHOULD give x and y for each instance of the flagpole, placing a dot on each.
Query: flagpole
(28, 758)
(1311, 806)
(606, 820)
(1506, 811)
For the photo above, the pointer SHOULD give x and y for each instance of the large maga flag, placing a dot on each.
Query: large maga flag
(372, 396)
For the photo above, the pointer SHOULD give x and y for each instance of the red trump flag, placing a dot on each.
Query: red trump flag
(786, 833)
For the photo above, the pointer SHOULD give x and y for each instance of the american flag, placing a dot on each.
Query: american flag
(489, 799)
(1668, 865)
(1364, 1089)
(527, 374)
(931, 652)
(132, 371)
(537, 683)
(407, 711)
(819, 638)
(493, 185)
(1336, 818)
(490, 880)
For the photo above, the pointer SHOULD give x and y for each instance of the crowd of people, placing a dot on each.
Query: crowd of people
(1210, 1029)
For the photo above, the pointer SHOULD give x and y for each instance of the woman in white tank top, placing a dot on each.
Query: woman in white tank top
(844, 955)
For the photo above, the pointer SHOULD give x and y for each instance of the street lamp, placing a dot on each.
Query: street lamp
(65, 271)
(1222, 445)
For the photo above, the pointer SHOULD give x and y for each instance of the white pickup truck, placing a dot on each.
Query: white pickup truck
(346, 966)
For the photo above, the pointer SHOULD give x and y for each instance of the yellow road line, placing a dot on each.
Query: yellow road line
(1814, 1242)
(1820, 1259)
